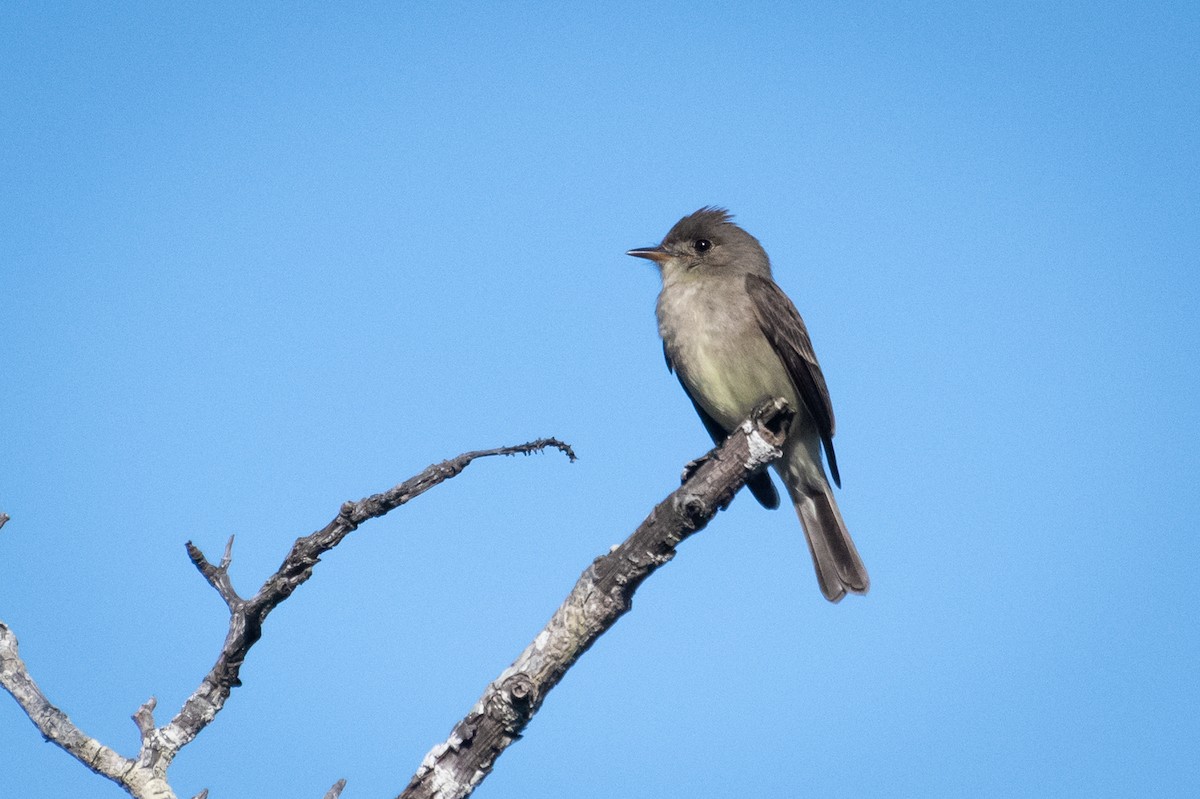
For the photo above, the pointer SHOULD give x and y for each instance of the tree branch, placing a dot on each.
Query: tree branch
(54, 724)
(146, 776)
(247, 616)
(603, 594)
(217, 576)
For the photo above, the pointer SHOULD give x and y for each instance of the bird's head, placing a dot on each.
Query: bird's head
(707, 242)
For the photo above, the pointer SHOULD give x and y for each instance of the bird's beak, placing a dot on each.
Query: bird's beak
(656, 254)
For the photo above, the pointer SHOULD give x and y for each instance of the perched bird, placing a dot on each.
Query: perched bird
(734, 339)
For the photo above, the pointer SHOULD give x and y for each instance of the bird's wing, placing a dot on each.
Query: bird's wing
(760, 485)
(781, 324)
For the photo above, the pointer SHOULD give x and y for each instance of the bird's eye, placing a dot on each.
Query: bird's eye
(702, 245)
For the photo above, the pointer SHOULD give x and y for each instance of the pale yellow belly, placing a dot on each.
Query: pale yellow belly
(730, 375)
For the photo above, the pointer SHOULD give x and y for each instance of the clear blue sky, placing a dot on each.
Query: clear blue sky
(255, 262)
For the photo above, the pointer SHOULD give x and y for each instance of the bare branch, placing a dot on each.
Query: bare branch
(247, 615)
(52, 722)
(603, 594)
(146, 777)
(217, 576)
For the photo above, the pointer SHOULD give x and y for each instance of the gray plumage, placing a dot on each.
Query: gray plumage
(734, 339)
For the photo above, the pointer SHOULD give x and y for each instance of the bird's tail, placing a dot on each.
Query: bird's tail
(839, 568)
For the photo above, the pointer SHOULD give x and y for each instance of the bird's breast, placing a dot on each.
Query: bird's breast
(712, 336)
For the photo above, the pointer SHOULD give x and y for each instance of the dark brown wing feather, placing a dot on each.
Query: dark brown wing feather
(783, 327)
(760, 485)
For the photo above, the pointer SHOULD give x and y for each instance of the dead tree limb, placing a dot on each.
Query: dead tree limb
(52, 722)
(145, 777)
(603, 594)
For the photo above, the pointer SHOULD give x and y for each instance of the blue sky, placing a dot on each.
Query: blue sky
(257, 262)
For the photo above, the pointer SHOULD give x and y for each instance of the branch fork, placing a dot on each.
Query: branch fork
(146, 776)
(452, 769)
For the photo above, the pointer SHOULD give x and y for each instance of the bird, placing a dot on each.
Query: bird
(734, 339)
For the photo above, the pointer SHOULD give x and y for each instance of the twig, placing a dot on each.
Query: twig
(217, 576)
(603, 594)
